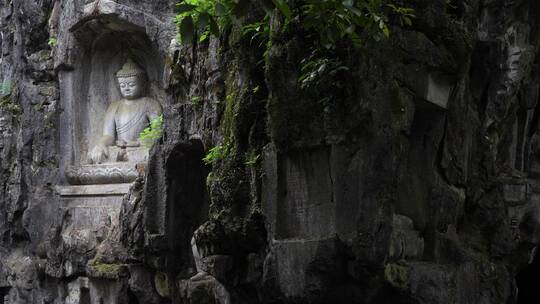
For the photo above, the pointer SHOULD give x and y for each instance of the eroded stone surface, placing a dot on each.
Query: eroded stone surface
(392, 189)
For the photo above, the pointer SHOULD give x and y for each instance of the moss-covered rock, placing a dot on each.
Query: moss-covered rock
(106, 271)
(397, 275)
(161, 283)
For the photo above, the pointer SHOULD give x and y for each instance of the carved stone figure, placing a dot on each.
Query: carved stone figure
(125, 119)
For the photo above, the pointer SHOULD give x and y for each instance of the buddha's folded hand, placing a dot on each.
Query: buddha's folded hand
(98, 154)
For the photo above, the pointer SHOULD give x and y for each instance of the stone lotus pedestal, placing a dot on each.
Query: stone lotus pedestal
(110, 178)
(112, 173)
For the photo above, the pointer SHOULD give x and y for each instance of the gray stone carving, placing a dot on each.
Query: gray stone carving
(114, 158)
(112, 173)
(127, 118)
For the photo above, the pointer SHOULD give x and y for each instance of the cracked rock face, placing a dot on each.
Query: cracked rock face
(415, 181)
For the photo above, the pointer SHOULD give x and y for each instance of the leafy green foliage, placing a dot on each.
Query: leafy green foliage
(336, 20)
(315, 70)
(153, 133)
(52, 42)
(201, 17)
(404, 14)
(252, 158)
(196, 102)
(333, 24)
(216, 154)
(332, 20)
(258, 31)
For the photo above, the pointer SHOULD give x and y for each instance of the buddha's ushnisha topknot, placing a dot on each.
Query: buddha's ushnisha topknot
(129, 69)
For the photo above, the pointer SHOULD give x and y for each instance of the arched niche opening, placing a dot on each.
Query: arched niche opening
(187, 202)
(418, 177)
(103, 44)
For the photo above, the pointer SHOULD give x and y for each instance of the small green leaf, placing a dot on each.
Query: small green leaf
(215, 154)
(52, 42)
(407, 21)
(386, 31)
(203, 37)
(187, 31)
(392, 6)
(153, 132)
(354, 10)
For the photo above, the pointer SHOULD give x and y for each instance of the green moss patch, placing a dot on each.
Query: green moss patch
(107, 271)
(161, 282)
(397, 275)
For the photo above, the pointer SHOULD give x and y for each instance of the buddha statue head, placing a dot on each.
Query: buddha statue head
(131, 80)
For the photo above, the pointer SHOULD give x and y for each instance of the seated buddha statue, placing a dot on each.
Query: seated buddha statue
(126, 118)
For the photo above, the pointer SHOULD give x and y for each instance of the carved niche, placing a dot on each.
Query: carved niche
(110, 97)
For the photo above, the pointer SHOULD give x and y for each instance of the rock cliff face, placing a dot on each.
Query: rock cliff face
(410, 174)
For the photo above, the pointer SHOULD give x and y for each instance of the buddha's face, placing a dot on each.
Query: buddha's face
(131, 87)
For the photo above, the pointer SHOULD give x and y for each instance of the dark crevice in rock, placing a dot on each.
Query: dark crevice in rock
(527, 289)
(186, 176)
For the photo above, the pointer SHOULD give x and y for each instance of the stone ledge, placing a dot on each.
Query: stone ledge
(93, 190)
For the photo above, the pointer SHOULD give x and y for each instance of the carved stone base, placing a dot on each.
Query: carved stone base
(93, 190)
(88, 218)
(111, 173)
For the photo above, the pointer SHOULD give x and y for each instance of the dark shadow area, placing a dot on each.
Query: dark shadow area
(527, 281)
(187, 201)
(132, 299)
(4, 294)
(419, 174)
(85, 296)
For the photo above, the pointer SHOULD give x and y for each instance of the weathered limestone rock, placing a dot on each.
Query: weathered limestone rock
(387, 182)
(206, 290)
(406, 243)
(516, 193)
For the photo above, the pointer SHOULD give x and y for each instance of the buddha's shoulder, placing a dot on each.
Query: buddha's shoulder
(151, 102)
(115, 104)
